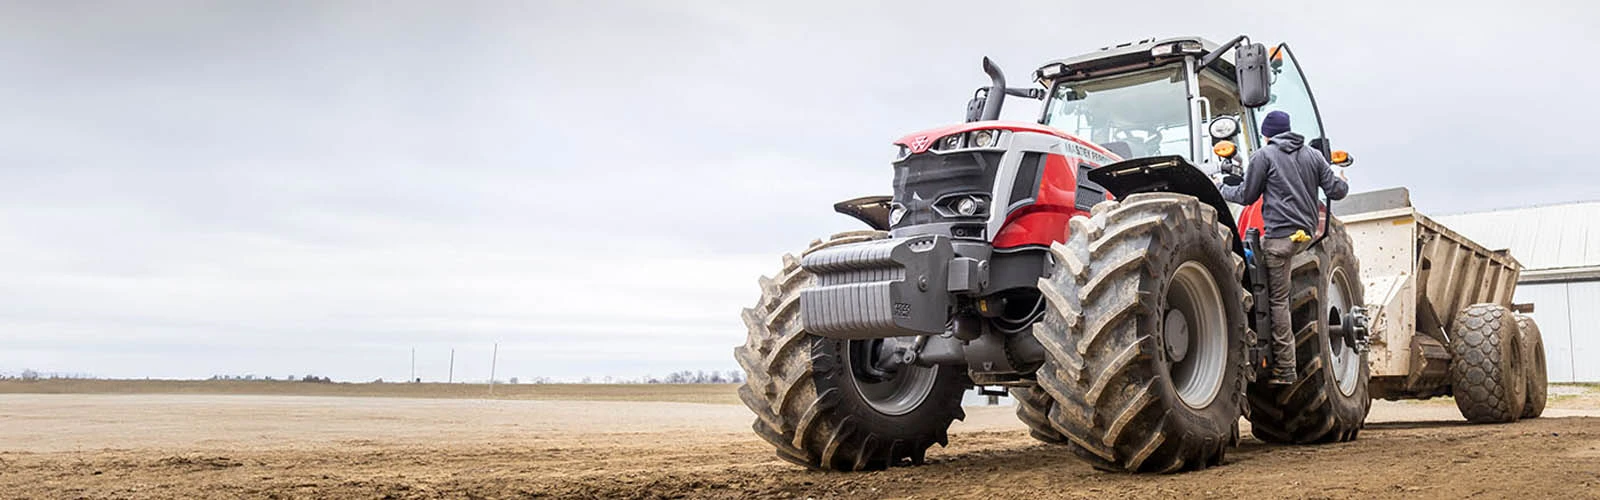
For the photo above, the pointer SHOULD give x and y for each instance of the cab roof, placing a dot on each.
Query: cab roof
(1129, 56)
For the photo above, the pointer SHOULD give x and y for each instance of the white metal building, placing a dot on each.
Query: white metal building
(1559, 247)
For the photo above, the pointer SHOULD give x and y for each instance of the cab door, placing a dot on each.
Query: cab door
(1289, 93)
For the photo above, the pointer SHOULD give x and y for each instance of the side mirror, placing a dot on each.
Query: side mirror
(1254, 75)
(1342, 158)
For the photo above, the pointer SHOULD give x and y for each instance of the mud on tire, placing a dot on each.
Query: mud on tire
(1033, 408)
(1486, 373)
(1329, 403)
(1112, 395)
(806, 399)
(1533, 366)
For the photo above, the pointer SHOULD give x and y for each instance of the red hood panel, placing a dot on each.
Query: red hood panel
(918, 142)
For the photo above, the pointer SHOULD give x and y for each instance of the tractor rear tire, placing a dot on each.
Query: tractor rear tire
(807, 399)
(1486, 373)
(1329, 403)
(1533, 365)
(1145, 337)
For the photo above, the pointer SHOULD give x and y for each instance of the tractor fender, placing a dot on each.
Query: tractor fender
(873, 210)
(1165, 174)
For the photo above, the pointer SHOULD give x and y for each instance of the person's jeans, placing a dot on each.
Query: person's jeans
(1281, 251)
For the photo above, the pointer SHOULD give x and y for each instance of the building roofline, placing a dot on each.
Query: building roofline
(1523, 207)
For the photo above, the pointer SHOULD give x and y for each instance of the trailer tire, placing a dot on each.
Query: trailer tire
(1486, 375)
(806, 399)
(1129, 278)
(1533, 365)
(1330, 401)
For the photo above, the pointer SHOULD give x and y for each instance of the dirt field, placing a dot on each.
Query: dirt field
(682, 393)
(281, 446)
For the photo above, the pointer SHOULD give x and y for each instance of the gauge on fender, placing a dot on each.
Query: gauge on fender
(1223, 127)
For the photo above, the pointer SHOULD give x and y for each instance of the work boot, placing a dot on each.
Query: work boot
(1283, 377)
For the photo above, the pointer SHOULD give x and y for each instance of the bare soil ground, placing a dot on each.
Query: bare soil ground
(685, 393)
(143, 445)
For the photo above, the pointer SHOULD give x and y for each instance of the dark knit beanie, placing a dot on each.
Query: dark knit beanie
(1277, 122)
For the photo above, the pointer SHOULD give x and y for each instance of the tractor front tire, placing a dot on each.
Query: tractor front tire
(1145, 337)
(1486, 373)
(810, 404)
(1533, 365)
(1329, 403)
(1033, 409)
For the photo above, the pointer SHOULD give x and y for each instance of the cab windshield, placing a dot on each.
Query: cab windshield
(1134, 115)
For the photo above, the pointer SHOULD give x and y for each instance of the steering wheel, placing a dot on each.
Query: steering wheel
(1150, 145)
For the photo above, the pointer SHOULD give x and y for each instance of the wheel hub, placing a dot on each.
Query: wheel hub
(886, 384)
(1176, 329)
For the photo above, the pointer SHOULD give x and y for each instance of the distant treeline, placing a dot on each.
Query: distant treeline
(291, 378)
(680, 377)
(34, 375)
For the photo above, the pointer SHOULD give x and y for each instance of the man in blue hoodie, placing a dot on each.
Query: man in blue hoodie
(1288, 174)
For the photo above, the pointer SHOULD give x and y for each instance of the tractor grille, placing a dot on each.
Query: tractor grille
(923, 178)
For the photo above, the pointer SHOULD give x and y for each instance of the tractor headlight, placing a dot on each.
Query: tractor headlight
(951, 142)
(1052, 71)
(1178, 47)
(896, 212)
(1223, 127)
(967, 206)
(962, 205)
(984, 139)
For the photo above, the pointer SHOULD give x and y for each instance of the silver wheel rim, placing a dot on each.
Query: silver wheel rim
(1194, 298)
(899, 393)
(1346, 362)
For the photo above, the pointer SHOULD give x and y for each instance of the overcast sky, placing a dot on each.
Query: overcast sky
(188, 189)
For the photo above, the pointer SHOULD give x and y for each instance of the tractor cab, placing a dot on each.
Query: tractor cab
(1181, 97)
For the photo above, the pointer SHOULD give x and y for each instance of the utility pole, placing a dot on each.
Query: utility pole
(451, 379)
(493, 359)
(413, 365)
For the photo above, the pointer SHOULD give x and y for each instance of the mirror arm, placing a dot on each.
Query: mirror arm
(1212, 56)
(1035, 94)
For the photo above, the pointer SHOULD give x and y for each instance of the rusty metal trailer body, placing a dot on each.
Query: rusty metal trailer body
(1419, 275)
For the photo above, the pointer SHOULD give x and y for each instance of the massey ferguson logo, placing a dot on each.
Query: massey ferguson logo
(920, 143)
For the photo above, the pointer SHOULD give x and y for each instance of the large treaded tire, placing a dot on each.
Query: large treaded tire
(804, 394)
(1533, 365)
(1316, 409)
(1486, 375)
(1111, 392)
(1033, 408)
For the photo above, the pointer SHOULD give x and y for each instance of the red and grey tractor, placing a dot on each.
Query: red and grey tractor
(1084, 262)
